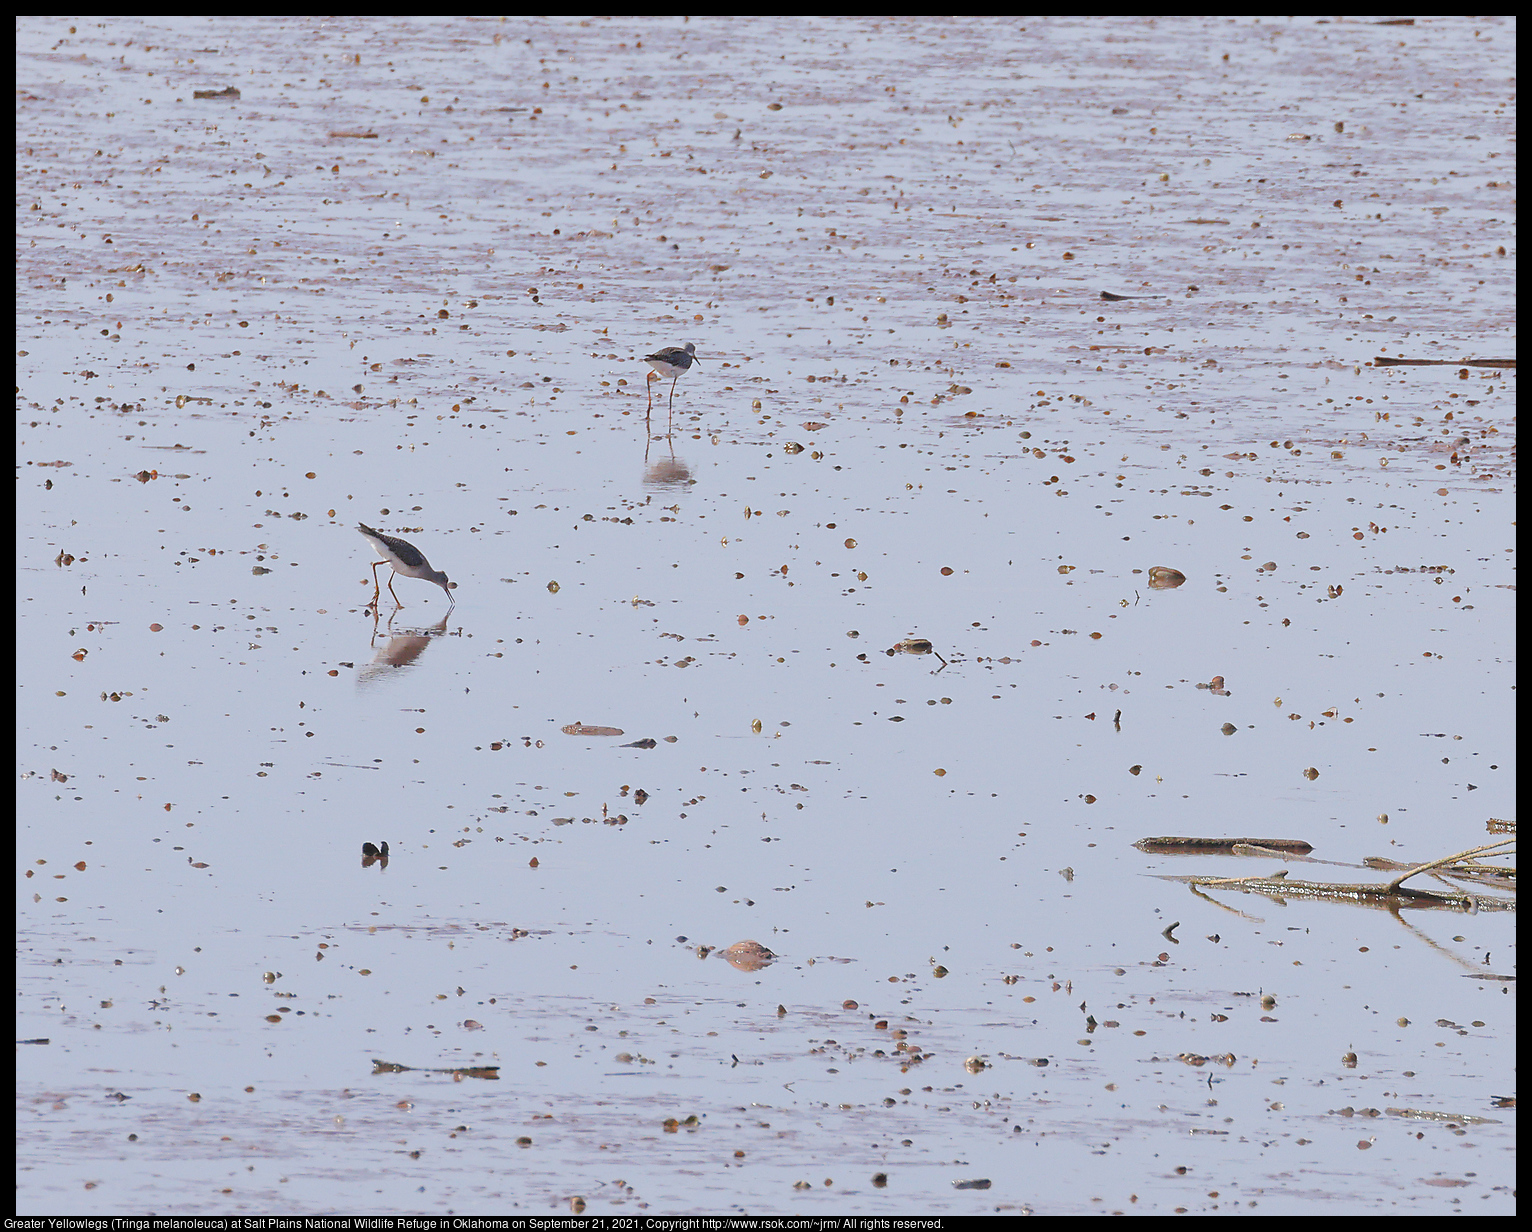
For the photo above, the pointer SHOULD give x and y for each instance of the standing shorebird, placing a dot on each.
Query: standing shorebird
(403, 558)
(671, 362)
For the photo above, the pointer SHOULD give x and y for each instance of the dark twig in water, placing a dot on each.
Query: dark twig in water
(1386, 360)
(467, 1071)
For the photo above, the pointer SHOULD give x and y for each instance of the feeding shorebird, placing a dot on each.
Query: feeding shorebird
(403, 558)
(671, 362)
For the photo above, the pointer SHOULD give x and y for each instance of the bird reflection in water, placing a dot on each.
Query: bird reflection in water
(400, 649)
(668, 472)
(663, 471)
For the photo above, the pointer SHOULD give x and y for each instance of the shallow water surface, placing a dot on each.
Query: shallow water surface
(407, 276)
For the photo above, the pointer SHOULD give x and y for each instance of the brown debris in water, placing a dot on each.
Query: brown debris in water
(747, 955)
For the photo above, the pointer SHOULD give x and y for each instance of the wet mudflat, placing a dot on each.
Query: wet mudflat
(405, 272)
